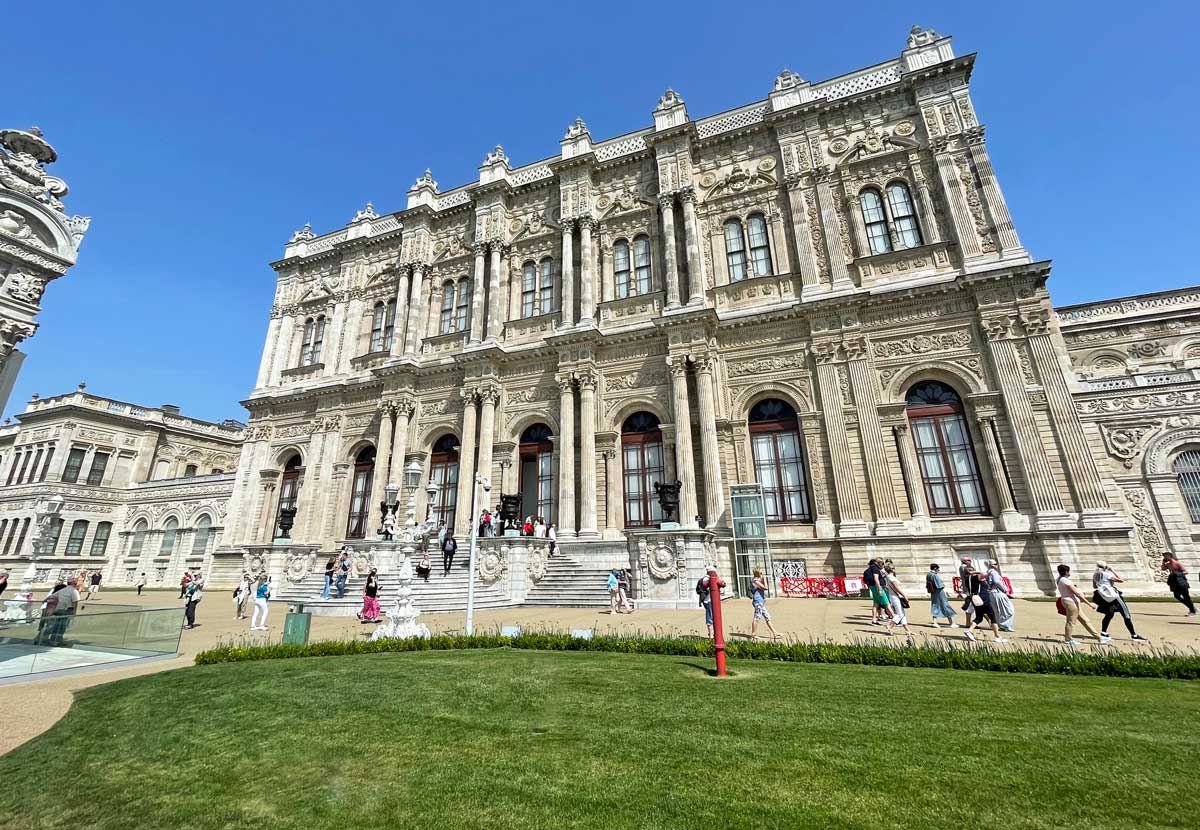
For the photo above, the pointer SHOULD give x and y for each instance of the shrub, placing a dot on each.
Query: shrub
(1042, 660)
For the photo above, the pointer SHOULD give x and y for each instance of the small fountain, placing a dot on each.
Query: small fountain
(402, 616)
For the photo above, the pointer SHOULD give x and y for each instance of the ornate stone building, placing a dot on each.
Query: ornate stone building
(38, 241)
(821, 291)
(145, 489)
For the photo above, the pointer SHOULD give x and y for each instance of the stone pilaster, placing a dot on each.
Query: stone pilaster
(1006, 233)
(489, 398)
(283, 348)
(402, 310)
(466, 466)
(383, 453)
(714, 485)
(404, 413)
(567, 318)
(913, 481)
(416, 311)
(433, 313)
(266, 364)
(691, 233)
(838, 260)
(806, 259)
(566, 455)
(495, 323)
(991, 448)
(587, 271)
(587, 453)
(666, 202)
(879, 476)
(685, 463)
(926, 212)
(850, 515)
(477, 292)
(956, 197)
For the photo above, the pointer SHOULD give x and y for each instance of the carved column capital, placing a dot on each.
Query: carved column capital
(565, 381)
(568, 225)
(855, 348)
(470, 395)
(900, 428)
(666, 201)
(406, 406)
(588, 222)
(489, 393)
(705, 363)
(587, 379)
(677, 364)
(1035, 321)
(687, 193)
(825, 351)
(479, 248)
(997, 326)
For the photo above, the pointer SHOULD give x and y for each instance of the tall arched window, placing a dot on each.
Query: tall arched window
(443, 471)
(1187, 471)
(139, 539)
(642, 460)
(546, 286)
(735, 250)
(536, 453)
(904, 218)
(447, 321)
(632, 272)
(529, 290)
(79, 529)
(360, 494)
(289, 488)
(779, 461)
(875, 220)
(200, 539)
(170, 536)
(314, 340)
(462, 309)
(537, 287)
(100, 540)
(944, 451)
(622, 269)
(760, 246)
(383, 326)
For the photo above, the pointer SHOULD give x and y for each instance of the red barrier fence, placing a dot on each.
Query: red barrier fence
(819, 586)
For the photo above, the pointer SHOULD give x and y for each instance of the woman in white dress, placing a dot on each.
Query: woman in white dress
(898, 598)
(1001, 598)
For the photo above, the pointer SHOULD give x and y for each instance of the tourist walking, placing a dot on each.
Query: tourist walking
(758, 589)
(330, 567)
(539, 528)
(873, 578)
(939, 601)
(424, 566)
(965, 568)
(184, 583)
(94, 584)
(1068, 602)
(614, 600)
(624, 591)
(898, 600)
(1177, 581)
(370, 609)
(552, 535)
(1002, 605)
(343, 574)
(442, 531)
(261, 595)
(195, 593)
(449, 548)
(141, 583)
(980, 597)
(56, 616)
(1109, 601)
(242, 594)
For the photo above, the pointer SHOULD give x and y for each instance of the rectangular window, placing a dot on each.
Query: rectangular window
(33, 468)
(12, 471)
(46, 464)
(100, 540)
(74, 463)
(528, 290)
(75, 540)
(641, 264)
(99, 464)
(56, 526)
(547, 286)
(189, 471)
(545, 483)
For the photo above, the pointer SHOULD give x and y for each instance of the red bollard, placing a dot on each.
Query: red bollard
(718, 626)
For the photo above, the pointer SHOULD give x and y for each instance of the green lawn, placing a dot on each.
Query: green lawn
(522, 739)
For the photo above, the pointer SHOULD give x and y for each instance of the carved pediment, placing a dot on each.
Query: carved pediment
(738, 178)
(872, 142)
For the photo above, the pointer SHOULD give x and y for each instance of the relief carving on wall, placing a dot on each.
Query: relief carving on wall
(1125, 442)
(1149, 537)
(967, 178)
(922, 344)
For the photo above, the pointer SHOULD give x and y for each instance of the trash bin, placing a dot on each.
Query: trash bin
(295, 628)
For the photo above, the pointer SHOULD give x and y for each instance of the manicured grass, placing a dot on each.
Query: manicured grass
(507, 738)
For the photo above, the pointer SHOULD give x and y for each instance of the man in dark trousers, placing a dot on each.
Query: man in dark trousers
(449, 548)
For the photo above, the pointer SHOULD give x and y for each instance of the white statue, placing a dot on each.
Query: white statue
(402, 616)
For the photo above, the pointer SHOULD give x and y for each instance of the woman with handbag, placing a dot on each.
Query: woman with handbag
(1068, 605)
(980, 598)
(939, 601)
(1109, 600)
(1177, 582)
(1001, 603)
(897, 597)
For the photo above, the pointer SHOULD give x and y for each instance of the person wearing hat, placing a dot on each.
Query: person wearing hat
(1109, 600)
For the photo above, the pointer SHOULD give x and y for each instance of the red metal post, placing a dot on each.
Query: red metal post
(718, 626)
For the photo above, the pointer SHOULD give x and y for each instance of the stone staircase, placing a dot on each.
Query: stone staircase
(570, 581)
(439, 594)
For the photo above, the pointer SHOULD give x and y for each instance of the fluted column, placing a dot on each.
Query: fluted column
(494, 322)
(383, 453)
(913, 481)
(838, 258)
(416, 309)
(466, 467)
(489, 397)
(587, 453)
(399, 323)
(614, 493)
(587, 287)
(714, 485)
(956, 197)
(806, 259)
(566, 455)
(1006, 233)
(404, 412)
(267, 363)
(685, 464)
(568, 273)
(691, 235)
(433, 309)
(928, 216)
(666, 203)
(845, 487)
(283, 347)
(987, 429)
(879, 475)
(477, 295)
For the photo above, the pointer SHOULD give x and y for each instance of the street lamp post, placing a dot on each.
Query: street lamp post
(486, 483)
(46, 512)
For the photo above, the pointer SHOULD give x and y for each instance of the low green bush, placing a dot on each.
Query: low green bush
(1043, 660)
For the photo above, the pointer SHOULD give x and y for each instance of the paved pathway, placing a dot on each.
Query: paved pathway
(27, 709)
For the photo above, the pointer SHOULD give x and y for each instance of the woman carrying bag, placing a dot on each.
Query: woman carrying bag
(981, 601)
(1109, 600)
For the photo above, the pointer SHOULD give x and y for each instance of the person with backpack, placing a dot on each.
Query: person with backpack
(939, 601)
(980, 598)
(873, 579)
(1109, 601)
(704, 592)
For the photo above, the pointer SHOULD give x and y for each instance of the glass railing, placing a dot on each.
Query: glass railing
(91, 637)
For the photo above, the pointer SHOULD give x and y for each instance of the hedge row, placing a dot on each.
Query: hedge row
(1107, 663)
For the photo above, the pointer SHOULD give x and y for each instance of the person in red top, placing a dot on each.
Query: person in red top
(1177, 582)
(184, 583)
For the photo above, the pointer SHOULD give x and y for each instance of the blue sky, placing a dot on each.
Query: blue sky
(199, 137)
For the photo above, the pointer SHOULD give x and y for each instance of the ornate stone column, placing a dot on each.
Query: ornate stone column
(987, 430)
(463, 508)
(477, 292)
(265, 510)
(666, 203)
(685, 464)
(283, 347)
(587, 271)
(952, 171)
(568, 273)
(495, 323)
(404, 412)
(267, 363)
(913, 481)
(433, 313)
(566, 455)
(383, 451)
(691, 234)
(587, 453)
(400, 324)
(870, 431)
(416, 310)
(714, 486)
(1006, 233)
(806, 259)
(838, 257)
(850, 517)
(489, 397)
(613, 492)
(928, 216)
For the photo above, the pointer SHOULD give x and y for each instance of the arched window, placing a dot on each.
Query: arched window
(443, 471)
(735, 250)
(383, 326)
(200, 540)
(632, 276)
(536, 453)
(641, 264)
(75, 539)
(944, 451)
(546, 287)
(100, 540)
(875, 220)
(1187, 471)
(622, 269)
(139, 539)
(529, 291)
(314, 340)
(462, 309)
(360, 494)
(760, 246)
(779, 461)
(642, 459)
(904, 218)
(447, 321)
(169, 538)
(289, 487)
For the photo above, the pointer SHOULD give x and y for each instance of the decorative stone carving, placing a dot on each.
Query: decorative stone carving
(537, 563)
(1124, 442)
(923, 344)
(1147, 349)
(1149, 537)
(299, 566)
(966, 178)
(765, 365)
(492, 563)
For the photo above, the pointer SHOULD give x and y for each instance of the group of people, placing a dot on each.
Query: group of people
(260, 591)
(619, 592)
